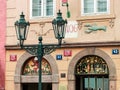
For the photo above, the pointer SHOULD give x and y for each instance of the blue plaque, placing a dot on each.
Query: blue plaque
(58, 57)
(115, 51)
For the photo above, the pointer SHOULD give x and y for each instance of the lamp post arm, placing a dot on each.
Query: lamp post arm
(47, 49)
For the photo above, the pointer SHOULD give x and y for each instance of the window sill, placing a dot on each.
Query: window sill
(41, 19)
(95, 17)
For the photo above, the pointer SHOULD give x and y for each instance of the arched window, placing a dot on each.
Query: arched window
(31, 67)
(92, 74)
(91, 65)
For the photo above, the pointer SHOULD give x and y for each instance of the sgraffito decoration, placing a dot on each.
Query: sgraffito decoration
(31, 67)
(91, 65)
(90, 28)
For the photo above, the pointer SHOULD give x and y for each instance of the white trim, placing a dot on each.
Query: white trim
(30, 9)
(54, 7)
(108, 6)
(82, 7)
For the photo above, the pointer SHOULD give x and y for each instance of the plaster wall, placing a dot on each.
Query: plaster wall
(112, 34)
(110, 21)
(63, 65)
(2, 42)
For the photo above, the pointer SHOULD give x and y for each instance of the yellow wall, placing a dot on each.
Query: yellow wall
(14, 9)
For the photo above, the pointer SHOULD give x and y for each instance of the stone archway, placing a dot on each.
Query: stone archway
(92, 51)
(19, 78)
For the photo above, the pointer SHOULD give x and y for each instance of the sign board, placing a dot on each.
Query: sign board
(58, 57)
(72, 29)
(13, 57)
(64, 1)
(115, 51)
(67, 52)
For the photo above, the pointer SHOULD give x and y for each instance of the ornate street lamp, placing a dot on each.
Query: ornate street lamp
(21, 28)
(59, 27)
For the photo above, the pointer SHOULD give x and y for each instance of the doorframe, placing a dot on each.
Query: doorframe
(19, 78)
(91, 51)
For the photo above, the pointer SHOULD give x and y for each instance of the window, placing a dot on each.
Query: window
(92, 73)
(92, 82)
(42, 8)
(90, 7)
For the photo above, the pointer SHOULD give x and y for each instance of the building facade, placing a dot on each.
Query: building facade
(89, 56)
(2, 43)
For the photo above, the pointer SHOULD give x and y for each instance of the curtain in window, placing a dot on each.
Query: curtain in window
(36, 7)
(49, 7)
(102, 5)
(88, 6)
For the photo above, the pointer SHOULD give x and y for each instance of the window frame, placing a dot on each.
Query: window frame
(43, 12)
(95, 9)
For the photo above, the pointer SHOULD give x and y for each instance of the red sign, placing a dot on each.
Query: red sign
(67, 52)
(64, 1)
(13, 57)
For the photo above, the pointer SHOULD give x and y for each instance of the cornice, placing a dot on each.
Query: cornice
(74, 45)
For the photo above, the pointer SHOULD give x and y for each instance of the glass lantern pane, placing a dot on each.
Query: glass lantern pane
(17, 32)
(55, 31)
(22, 32)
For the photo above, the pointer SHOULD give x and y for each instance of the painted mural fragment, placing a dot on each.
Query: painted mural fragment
(32, 67)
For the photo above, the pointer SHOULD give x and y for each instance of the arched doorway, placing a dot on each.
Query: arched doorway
(24, 81)
(96, 52)
(31, 68)
(91, 73)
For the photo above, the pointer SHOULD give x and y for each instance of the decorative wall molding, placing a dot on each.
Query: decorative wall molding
(110, 20)
(75, 45)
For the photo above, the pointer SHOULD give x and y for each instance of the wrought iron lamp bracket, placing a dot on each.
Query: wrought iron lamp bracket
(47, 49)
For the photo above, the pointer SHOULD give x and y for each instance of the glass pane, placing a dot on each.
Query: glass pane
(102, 6)
(88, 6)
(106, 85)
(85, 83)
(100, 84)
(92, 84)
(36, 7)
(49, 7)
